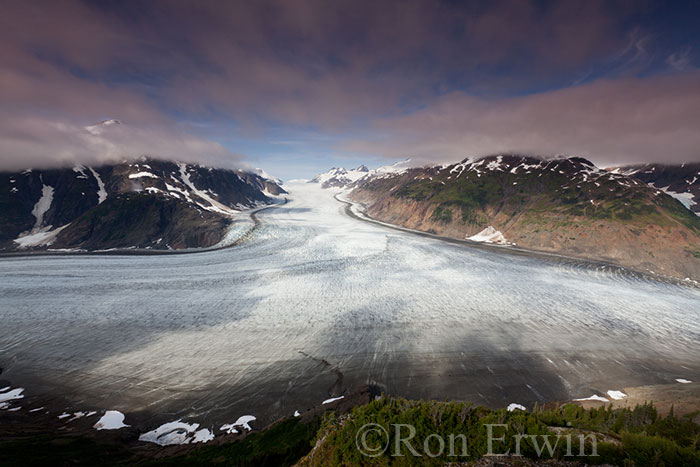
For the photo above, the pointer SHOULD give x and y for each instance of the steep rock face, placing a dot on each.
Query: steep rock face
(142, 220)
(680, 181)
(68, 194)
(144, 204)
(564, 205)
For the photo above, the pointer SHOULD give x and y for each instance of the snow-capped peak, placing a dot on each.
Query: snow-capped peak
(396, 167)
(260, 172)
(340, 177)
(98, 128)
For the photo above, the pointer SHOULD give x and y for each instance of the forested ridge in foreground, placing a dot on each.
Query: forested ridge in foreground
(637, 436)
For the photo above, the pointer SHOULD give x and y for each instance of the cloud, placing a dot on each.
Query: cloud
(374, 70)
(310, 62)
(610, 121)
(44, 143)
(315, 63)
(679, 60)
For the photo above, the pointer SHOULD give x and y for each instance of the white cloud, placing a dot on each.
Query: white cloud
(31, 141)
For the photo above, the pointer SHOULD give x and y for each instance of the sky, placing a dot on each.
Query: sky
(296, 87)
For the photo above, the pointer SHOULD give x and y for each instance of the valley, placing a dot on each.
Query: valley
(316, 304)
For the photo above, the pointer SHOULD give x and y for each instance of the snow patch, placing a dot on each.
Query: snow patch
(174, 190)
(495, 165)
(202, 436)
(42, 237)
(171, 433)
(78, 415)
(40, 234)
(617, 395)
(13, 395)
(111, 420)
(594, 397)
(79, 169)
(214, 205)
(489, 235)
(101, 191)
(513, 406)
(685, 198)
(683, 381)
(332, 399)
(177, 432)
(143, 174)
(228, 428)
(43, 205)
(242, 422)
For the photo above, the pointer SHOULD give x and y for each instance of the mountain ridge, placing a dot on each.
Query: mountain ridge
(564, 205)
(681, 181)
(339, 177)
(152, 204)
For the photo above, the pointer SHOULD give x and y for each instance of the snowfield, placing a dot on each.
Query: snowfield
(315, 304)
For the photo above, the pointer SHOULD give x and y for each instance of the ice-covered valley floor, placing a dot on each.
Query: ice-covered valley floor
(317, 303)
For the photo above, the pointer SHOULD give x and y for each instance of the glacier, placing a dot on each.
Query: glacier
(317, 303)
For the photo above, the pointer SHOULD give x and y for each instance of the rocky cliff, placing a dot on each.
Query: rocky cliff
(145, 204)
(563, 205)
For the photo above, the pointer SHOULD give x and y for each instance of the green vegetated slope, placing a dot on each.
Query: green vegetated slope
(636, 436)
(567, 206)
(624, 436)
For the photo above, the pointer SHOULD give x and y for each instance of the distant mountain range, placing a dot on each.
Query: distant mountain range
(339, 177)
(342, 178)
(148, 204)
(628, 215)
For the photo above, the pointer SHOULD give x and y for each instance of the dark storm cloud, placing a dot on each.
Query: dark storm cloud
(498, 75)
